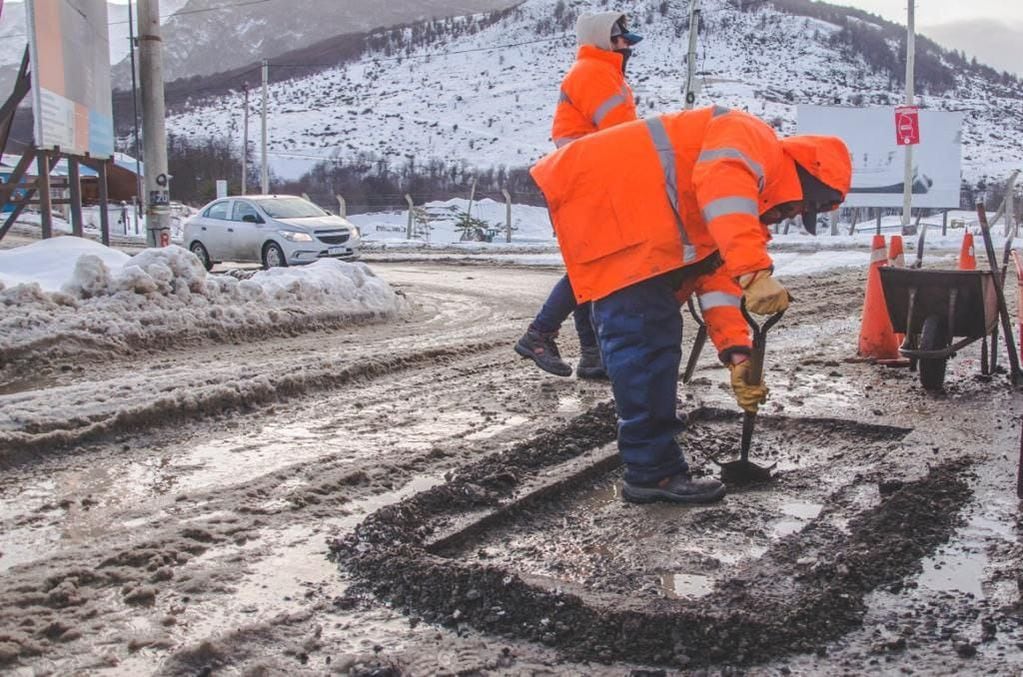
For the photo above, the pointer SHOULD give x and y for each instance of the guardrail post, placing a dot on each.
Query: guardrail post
(408, 230)
(507, 215)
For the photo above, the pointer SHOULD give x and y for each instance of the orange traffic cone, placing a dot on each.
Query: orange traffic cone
(967, 257)
(877, 338)
(896, 255)
(897, 259)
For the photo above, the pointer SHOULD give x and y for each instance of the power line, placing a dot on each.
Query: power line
(215, 8)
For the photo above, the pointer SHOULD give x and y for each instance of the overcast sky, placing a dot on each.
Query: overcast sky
(991, 30)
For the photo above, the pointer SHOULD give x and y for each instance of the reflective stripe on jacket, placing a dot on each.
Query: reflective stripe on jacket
(594, 96)
(654, 195)
(719, 295)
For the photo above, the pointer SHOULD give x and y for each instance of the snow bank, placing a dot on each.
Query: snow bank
(51, 263)
(67, 291)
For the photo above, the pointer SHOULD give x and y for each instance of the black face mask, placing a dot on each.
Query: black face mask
(626, 55)
(817, 197)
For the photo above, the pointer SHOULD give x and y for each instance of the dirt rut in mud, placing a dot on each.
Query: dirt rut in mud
(504, 548)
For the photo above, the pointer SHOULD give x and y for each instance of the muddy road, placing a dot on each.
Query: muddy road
(411, 498)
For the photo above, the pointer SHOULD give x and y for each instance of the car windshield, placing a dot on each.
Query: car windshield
(289, 208)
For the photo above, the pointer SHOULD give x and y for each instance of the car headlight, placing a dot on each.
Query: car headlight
(295, 236)
(356, 231)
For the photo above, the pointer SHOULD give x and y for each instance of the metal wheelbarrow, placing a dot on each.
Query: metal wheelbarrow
(934, 308)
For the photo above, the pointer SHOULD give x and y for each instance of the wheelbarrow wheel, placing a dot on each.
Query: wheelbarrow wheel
(933, 336)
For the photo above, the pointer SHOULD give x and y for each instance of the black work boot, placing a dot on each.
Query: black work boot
(675, 489)
(590, 365)
(542, 349)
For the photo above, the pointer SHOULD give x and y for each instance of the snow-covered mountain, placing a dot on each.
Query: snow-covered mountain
(486, 98)
(211, 36)
(13, 35)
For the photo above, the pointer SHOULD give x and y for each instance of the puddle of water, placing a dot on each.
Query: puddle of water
(497, 428)
(211, 463)
(955, 571)
(804, 511)
(803, 514)
(301, 560)
(678, 586)
(961, 568)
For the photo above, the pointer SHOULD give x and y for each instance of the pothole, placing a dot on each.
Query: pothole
(533, 543)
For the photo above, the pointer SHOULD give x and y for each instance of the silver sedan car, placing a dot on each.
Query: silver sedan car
(275, 230)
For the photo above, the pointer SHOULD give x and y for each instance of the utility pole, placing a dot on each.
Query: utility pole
(154, 133)
(694, 29)
(264, 174)
(245, 140)
(907, 181)
(139, 188)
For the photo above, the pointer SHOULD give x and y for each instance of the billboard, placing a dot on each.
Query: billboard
(70, 54)
(879, 161)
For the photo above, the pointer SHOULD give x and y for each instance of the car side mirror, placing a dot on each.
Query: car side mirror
(251, 218)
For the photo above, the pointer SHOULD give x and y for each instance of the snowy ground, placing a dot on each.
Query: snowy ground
(71, 295)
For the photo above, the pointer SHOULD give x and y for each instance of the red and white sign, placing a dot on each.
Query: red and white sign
(907, 125)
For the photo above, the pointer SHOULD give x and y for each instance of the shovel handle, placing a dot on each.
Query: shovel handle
(756, 373)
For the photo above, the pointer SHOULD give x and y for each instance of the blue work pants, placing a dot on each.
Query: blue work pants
(556, 309)
(640, 333)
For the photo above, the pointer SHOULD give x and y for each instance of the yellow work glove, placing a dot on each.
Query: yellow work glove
(749, 397)
(764, 294)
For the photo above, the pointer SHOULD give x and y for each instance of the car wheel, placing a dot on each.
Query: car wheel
(199, 250)
(273, 256)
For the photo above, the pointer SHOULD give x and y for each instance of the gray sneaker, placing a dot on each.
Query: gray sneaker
(676, 489)
(590, 365)
(542, 349)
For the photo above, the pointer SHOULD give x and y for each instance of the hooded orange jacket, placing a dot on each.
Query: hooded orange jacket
(651, 196)
(594, 96)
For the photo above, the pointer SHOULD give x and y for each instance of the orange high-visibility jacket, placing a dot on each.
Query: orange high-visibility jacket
(719, 296)
(594, 96)
(645, 197)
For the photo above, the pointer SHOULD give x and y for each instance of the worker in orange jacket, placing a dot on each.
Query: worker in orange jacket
(650, 211)
(594, 95)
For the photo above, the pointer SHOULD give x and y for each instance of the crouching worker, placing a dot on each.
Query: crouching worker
(647, 213)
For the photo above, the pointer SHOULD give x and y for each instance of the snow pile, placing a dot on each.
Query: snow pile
(172, 270)
(76, 294)
(51, 263)
(324, 280)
